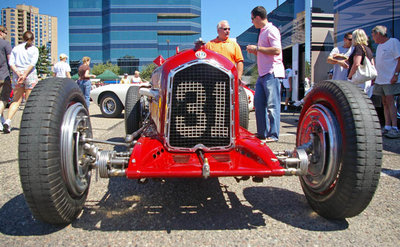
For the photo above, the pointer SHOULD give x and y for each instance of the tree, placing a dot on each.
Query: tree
(101, 67)
(147, 71)
(43, 64)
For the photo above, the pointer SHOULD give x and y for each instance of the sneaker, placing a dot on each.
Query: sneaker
(384, 131)
(271, 139)
(298, 103)
(393, 134)
(7, 126)
(1, 127)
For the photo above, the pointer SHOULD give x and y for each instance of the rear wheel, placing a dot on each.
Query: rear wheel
(243, 108)
(340, 122)
(54, 174)
(110, 105)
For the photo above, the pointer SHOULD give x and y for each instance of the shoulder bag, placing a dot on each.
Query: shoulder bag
(365, 72)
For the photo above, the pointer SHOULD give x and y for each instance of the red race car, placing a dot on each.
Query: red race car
(191, 123)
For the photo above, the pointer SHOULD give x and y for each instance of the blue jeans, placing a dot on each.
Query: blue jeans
(85, 86)
(268, 106)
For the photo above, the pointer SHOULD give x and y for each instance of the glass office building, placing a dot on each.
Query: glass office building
(110, 30)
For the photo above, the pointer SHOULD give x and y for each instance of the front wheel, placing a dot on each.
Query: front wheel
(54, 171)
(243, 108)
(134, 110)
(339, 124)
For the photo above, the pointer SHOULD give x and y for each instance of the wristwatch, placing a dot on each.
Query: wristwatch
(396, 73)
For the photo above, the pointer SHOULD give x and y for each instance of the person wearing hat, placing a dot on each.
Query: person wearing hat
(125, 79)
(62, 69)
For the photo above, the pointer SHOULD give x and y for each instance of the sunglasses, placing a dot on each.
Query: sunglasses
(226, 28)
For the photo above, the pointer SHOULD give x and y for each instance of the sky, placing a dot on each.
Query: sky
(236, 12)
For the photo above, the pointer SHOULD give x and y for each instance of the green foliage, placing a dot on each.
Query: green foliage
(101, 67)
(43, 64)
(308, 69)
(147, 71)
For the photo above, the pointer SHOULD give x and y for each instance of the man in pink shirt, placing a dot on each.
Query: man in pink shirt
(270, 69)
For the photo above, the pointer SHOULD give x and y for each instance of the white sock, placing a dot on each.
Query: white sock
(285, 108)
(387, 127)
(395, 128)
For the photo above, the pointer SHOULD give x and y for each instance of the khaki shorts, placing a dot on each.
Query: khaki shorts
(288, 93)
(5, 89)
(386, 89)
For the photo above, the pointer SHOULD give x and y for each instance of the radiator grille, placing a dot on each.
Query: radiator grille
(200, 109)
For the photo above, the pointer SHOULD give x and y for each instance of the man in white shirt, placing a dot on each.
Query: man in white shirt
(339, 56)
(387, 83)
(62, 69)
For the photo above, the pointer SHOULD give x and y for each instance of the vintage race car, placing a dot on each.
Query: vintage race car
(111, 98)
(191, 123)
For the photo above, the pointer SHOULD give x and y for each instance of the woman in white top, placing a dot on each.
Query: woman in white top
(136, 77)
(23, 60)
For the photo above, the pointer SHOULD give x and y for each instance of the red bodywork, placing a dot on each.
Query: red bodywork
(152, 158)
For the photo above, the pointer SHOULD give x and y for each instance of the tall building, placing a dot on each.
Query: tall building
(113, 30)
(24, 18)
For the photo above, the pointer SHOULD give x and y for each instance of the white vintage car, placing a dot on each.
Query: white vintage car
(111, 98)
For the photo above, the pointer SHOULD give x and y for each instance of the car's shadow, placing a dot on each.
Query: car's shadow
(177, 204)
(17, 220)
(196, 204)
(291, 208)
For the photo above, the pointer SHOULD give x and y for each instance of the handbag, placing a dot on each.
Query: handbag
(365, 72)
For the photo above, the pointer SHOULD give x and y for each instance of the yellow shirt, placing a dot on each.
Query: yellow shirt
(228, 48)
(125, 81)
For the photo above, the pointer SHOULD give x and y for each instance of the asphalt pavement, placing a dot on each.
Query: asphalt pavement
(197, 212)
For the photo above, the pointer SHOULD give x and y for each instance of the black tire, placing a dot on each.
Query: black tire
(133, 119)
(243, 108)
(110, 105)
(346, 159)
(397, 104)
(55, 186)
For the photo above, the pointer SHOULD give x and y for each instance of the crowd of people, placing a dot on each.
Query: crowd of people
(348, 58)
(345, 59)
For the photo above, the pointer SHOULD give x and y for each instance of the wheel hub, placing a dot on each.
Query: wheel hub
(320, 127)
(75, 164)
(109, 106)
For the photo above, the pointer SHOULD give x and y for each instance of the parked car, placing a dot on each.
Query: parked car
(191, 124)
(111, 98)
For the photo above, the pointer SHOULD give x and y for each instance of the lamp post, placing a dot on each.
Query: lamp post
(167, 47)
